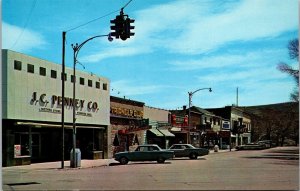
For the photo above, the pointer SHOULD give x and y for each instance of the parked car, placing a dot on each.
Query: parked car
(264, 144)
(144, 153)
(267, 143)
(251, 146)
(187, 150)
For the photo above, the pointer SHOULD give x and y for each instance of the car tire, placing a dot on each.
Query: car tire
(161, 160)
(193, 156)
(123, 160)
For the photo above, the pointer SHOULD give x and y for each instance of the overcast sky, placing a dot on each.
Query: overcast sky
(178, 47)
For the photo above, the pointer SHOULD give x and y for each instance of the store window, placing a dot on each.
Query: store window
(53, 74)
(42, 71)
(17, 65)
(21, 144)
(30, 68)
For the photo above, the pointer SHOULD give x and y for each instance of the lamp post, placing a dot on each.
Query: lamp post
(76, 49)
(189, 115)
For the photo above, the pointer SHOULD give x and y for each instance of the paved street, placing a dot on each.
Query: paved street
(272, 169)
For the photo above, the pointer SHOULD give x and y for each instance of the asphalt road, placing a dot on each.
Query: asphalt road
(272, 169)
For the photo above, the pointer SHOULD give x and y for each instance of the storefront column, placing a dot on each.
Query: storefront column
(30, 141)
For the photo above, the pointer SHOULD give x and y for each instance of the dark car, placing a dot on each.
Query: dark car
(144, 153)
(187, 150)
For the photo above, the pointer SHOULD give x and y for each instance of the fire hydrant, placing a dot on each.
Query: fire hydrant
(216, 148)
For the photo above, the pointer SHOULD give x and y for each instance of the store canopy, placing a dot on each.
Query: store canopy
(176, 129)
(39, 125)
(166, 133)
(156, 132)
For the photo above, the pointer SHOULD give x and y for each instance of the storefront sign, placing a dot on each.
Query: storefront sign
(126, 112)
(17, 150)
(58, 101)
(226, 125)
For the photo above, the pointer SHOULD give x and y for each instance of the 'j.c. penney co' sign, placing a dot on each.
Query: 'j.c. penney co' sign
(58, 101)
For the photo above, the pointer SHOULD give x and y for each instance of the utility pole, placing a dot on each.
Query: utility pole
(63, 99)
(237, 96)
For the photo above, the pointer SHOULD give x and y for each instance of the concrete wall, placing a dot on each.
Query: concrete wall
(155, 114)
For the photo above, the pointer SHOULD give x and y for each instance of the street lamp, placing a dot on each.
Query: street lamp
(190, 103)
(76, 49)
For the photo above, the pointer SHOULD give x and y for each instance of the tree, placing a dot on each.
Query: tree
(293, 48)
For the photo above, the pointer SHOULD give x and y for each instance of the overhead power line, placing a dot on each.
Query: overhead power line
(99, 17)
(26, 23)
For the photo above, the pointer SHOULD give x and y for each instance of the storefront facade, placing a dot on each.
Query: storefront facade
(128, 125)
(236, 122)
(32, 111)
(159, 120)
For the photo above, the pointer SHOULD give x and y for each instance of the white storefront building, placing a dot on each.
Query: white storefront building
(32, 111)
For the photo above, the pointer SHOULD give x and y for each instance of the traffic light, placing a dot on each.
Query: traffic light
(128, 27)
(121, 26)
(118, 26)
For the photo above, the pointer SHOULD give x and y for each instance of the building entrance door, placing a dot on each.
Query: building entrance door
(36, 146)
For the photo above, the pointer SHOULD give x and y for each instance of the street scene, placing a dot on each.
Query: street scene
(271, 169)
(150, 95)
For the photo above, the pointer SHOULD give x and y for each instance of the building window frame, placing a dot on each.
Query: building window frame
(90, 83)
(81, 81)
(30, 68)
(53, 74)
(42, 71)
(98, 85)
(17, 65)
(105, 86)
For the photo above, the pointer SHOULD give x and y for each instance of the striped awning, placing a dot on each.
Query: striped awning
(156, 132)
(167, 133)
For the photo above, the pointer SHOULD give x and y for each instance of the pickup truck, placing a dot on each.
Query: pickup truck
(144, 153)
(187, 150)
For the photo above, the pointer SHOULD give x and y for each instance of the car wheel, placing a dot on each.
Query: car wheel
(193, 156)
(160, 160)
(123, 160)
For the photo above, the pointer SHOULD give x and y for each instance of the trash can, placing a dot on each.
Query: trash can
(77, 161)
(216, 148)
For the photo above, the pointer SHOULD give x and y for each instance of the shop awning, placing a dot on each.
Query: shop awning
(156, 132)
(176, 129)
(166, 133)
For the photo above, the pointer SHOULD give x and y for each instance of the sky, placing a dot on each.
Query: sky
(178, 47)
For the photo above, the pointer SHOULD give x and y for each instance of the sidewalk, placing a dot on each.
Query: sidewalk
(84, 164)
(57, 165)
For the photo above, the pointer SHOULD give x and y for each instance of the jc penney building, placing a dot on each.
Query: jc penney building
(32, 114)
(32, 107)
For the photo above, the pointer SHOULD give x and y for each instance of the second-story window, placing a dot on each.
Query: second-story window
(105, 86)
(30, 68)
(17, 65)
(72, 78)
(42, 71)
(53, 74)
(98, 85)
(90, 83)
(64, 76)
(81, 81)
